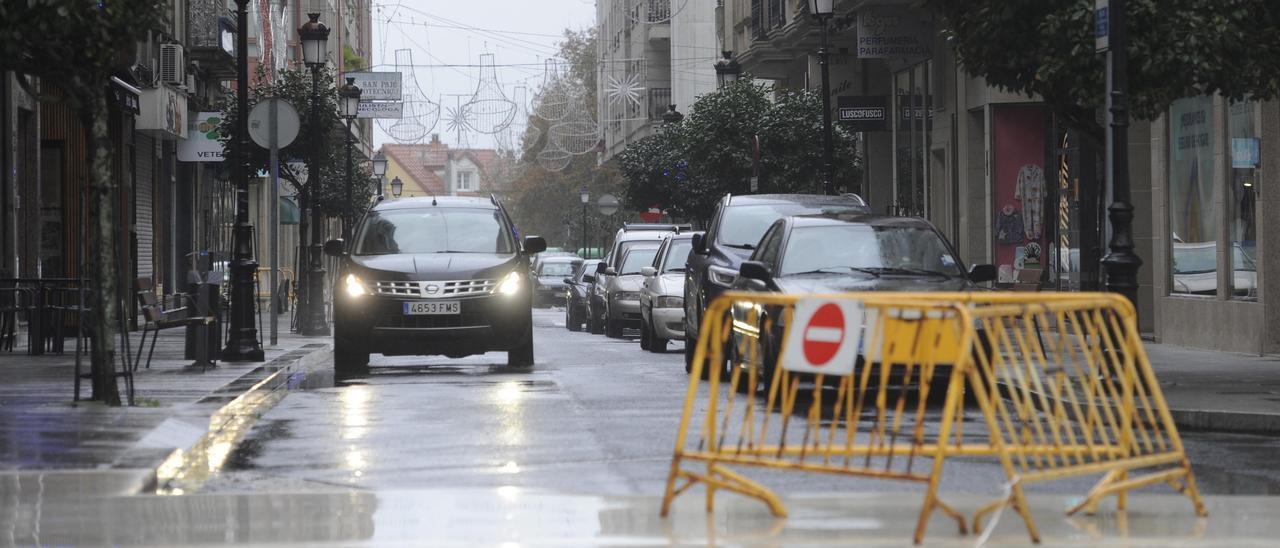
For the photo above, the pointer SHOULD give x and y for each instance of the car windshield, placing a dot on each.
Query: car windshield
(624, 247)
(904, 249)
(560, 269)
(636, 259)
(434, 230)
(743, 226)
(678, 255)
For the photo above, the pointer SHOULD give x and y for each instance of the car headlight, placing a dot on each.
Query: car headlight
(355, 286)
(722, 276)
(669, 302)
(510, 284)
(626, 296)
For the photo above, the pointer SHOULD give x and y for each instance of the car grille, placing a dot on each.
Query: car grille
(435, 289)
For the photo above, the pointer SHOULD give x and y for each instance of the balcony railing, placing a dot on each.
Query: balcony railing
(766, 15)
(659, 98)
(659, 10)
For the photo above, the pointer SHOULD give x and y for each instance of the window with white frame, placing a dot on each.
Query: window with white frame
(464, 181)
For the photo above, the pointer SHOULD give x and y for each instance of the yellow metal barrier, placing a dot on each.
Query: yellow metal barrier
(1061, 380)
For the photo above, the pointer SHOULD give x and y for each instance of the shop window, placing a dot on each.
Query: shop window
(1242, 203)
(1193, 219)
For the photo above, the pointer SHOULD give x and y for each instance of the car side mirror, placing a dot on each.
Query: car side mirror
(699, 244)
(755, 270)
(601, 268)
(609, 271)
(979, 273)
(587, 278)
(335, 248)
(648, 271)
(534, 244)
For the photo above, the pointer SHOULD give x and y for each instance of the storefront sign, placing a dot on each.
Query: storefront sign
(163, 112)
(377, 86)
(893, 32)
(380, 109)
(202, 144)
(1245, 153)
(863, 112)
(909, 115)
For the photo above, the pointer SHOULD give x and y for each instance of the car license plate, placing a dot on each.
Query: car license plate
(432, 308)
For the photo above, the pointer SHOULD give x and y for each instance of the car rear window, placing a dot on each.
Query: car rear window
(743, 225)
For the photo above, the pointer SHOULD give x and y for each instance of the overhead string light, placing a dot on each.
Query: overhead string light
(577, 133)
(489, 110)
(552, 100)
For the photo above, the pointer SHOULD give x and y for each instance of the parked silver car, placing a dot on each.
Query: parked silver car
(662, 294)
(622, 293)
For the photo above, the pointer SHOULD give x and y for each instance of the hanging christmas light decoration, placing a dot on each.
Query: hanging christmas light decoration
(551, 103)
(489, 110)
(554, 158)
(625, 95)
(458, 121)
(419, 115)
(577, 133)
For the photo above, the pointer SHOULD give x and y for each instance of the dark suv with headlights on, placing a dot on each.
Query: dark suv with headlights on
(734, 231)
(431, 276)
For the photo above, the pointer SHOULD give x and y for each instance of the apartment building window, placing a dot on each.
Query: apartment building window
(659, 98)
(659, 10)
(464, 181)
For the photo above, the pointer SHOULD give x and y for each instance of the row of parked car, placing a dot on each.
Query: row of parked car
(660, 278)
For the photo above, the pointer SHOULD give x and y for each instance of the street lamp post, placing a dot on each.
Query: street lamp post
(350, 94)
(586, 199)
(1121, 263)
(397, 186)
(314, 35)
(727, 69)
(379, 169)
(821, 11)
(242, 336)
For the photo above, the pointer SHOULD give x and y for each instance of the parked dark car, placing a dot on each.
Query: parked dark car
(577, 291)
(630, 235)
(734, 231)
(844, 253)
(433, 276)
(548, 278)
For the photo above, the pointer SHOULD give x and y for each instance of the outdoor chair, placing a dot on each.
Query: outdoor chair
(157, 317)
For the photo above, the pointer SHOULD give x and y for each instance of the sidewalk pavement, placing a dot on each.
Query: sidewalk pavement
(1219, 391)
(89, 447)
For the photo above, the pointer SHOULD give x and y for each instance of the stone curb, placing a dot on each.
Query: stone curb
(186, 470)
(1226, 421)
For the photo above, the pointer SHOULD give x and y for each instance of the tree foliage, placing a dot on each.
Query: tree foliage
(688, 166)
(75, 46)
(545, 202)
(1177, 48)
(294, 86)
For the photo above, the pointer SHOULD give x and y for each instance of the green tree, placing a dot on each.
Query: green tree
(690, 165)
(75, 46)
(294, 86)
(1177, 48)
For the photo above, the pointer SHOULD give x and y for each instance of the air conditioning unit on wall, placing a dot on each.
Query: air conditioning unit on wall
(173, 70)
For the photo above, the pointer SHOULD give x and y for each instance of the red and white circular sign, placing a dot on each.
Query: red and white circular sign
(823, 335)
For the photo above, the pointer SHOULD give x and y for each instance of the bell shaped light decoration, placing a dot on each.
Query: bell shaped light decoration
(489, 110)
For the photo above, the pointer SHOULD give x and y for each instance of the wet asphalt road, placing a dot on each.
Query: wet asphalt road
(594, 416)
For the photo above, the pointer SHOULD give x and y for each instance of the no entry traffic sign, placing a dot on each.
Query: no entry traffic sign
(824, 336)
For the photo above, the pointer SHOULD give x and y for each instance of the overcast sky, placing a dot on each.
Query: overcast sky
(441, 34)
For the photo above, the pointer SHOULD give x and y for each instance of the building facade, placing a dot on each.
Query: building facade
(436, 169)
(1013, 186)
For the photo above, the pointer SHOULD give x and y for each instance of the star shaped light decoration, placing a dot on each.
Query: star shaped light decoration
(458, 118)
(627, 88)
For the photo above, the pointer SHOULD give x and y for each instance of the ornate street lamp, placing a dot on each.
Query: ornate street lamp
(727, 69)
(397, 186)
(821, 10)
(1121, 263)
(379, 170)
(314, 36)
(242, 335)
(586, 199)
(350, 94)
